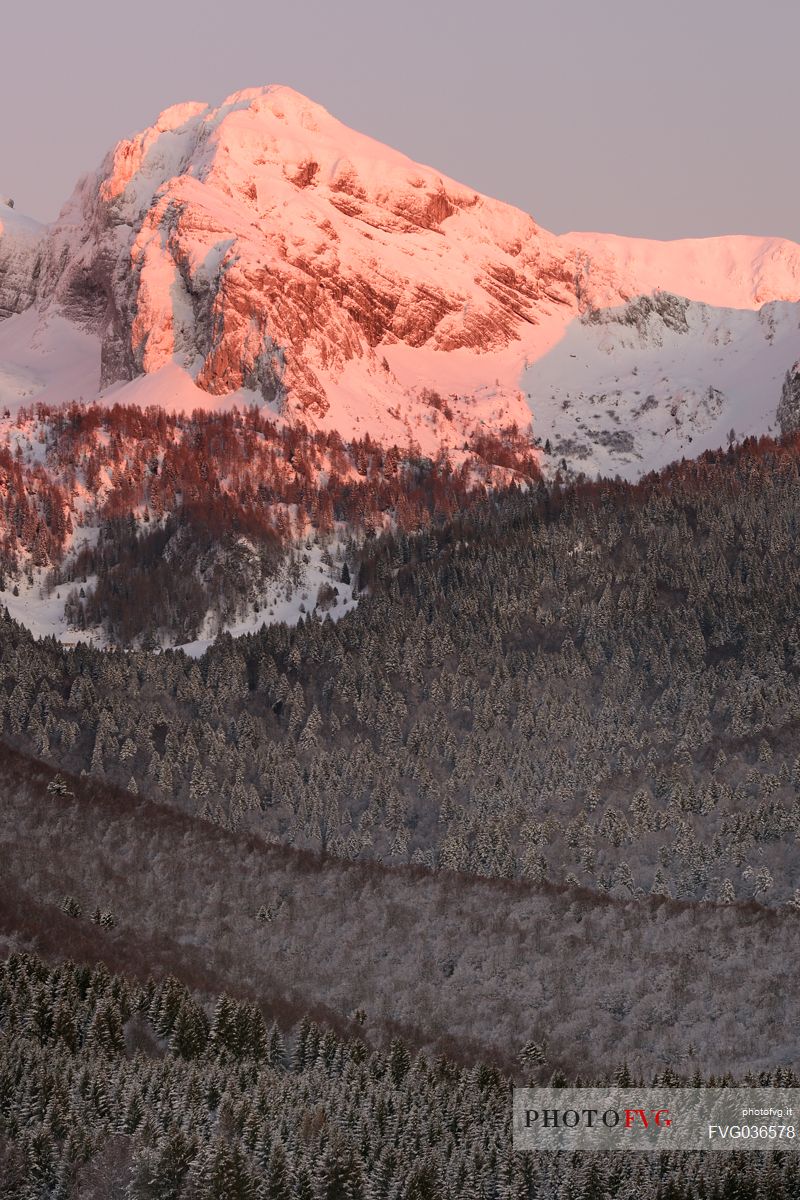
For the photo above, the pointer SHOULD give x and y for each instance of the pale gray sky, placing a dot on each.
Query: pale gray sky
(662, 118)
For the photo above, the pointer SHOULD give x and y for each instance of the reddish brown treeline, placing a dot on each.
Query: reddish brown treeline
(229, 471)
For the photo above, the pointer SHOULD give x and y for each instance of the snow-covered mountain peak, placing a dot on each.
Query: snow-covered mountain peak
(176, 115)
(260, 249)
(274, 127)
(264, 245)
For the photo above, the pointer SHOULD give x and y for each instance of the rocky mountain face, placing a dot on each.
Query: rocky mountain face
(265, 251)
(20, 246)
(268, 247)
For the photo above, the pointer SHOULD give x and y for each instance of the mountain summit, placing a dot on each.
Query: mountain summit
(262, 250)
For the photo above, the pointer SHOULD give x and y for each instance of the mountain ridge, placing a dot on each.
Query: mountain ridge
(260, 251)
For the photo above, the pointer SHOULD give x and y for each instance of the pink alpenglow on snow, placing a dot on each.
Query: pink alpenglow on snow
(263, 252)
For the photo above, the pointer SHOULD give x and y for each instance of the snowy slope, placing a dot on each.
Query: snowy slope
(41, 610)
(261, 249)
(45, 357)
(630, 389)
(727, 272)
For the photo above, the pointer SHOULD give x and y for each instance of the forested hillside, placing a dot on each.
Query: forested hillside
(391, 715)
(595, 685)
(475, 968)
(149, 521)
(190, 1013)
(112, 1088)
(533, 803)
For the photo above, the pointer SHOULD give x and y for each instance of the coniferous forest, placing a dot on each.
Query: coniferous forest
(289, 919)
(399, 601)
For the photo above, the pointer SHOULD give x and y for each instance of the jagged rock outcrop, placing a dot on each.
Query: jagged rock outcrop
(20, 246)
